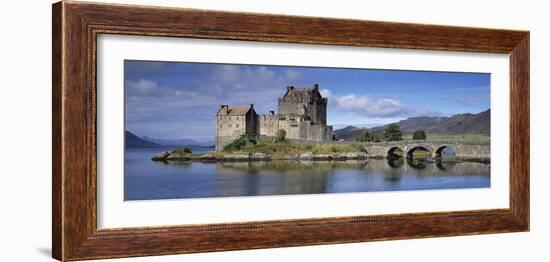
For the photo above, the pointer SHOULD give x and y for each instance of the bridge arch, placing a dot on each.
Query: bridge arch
(395, 152)
(419, 148)
(462, 150)
(440, 151)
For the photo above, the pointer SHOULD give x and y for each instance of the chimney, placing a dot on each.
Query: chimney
(316, 86)
(224, 109)
(288, 88)
(251, 105)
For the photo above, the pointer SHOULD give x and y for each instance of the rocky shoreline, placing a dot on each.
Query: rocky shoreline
(166, 156)
(309, 156)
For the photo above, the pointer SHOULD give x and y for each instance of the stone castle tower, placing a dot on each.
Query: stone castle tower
(302, 114)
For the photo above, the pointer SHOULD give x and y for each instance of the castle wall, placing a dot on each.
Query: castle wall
(315, 132)
(320, 112)
(294, 127)
(290, 105)
(228, 128)
(268, 125)
(313, 106)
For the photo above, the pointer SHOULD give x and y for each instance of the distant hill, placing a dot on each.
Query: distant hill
(349, 133)
(457, 124)
(133, 141)
(177, 142)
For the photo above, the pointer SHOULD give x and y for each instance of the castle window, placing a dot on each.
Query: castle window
(229, 125)
(282, 119)
(237, 125)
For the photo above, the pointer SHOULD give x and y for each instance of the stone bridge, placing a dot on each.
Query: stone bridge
(463, 150)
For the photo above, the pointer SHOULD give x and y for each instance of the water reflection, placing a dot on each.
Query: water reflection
(395, 162)
(417, 163)
(306, 177)
(444, 165)
(145, 179)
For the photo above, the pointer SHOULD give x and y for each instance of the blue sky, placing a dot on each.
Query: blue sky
(179, 100)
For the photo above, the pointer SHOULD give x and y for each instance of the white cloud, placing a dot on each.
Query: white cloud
(235, 76)
(174, 108)
(142, 86)
(369, 107)
(227, 73)
(376, 108)
(262, 73)
(292, 74)
(325, 93)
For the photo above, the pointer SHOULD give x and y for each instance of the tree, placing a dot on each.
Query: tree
(419, 135)
(392, 133)
(366, 137)
(182, 150)
(377, 137)
(281, 135)
(243, 141)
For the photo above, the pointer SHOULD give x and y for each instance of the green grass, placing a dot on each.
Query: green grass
(286, 149)
(186, 155)
(454, 137)
(181, 150)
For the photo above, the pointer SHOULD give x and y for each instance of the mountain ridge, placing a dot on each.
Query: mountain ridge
(177, 142)
(133, 141)
(479, 123)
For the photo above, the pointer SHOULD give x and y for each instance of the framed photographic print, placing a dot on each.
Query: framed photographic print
(182, 130)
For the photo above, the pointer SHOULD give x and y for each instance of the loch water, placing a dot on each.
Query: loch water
(145, 179)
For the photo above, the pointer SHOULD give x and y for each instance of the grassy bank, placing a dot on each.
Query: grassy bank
(286, 149)
(247, 148)
(454, 137)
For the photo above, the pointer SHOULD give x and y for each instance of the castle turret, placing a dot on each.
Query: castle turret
(306, 103)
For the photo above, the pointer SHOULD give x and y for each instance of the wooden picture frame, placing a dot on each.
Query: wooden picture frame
(76, 26)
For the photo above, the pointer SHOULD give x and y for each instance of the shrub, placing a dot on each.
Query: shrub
(377, 137)
(182, 150)
(393, 133)
(281, 135)
(419, 135)
(246, 140)
(366, 137)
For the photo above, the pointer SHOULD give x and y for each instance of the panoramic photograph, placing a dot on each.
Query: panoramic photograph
(202, 130)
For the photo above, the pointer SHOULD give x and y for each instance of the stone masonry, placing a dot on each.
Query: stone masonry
(463, 150)
(302, 114)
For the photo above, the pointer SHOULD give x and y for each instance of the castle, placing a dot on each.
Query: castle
(302, 115)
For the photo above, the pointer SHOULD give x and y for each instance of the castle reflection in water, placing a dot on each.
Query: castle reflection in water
(146, 180)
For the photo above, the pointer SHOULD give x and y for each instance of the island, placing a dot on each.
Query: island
(299, 131)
